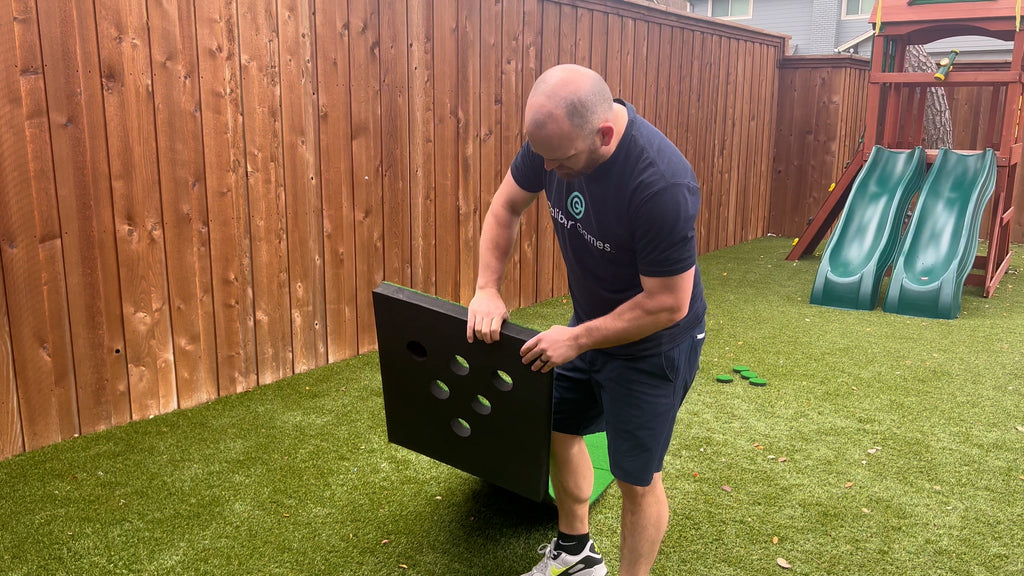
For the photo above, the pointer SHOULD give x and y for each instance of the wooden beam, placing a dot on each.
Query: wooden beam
(955, 79)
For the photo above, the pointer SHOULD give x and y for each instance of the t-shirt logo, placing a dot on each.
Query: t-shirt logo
(576, 205)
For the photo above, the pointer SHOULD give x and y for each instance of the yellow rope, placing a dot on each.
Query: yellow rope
(878, 16)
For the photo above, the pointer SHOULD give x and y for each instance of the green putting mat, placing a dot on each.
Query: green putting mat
(597, 445)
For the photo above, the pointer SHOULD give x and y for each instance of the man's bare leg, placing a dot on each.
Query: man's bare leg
(644, 523)
(572, 477)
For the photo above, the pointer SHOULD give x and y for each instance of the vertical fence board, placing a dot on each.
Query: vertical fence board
(668, 82)
(584, 30)
(469, 145)
(303, 197)
(639, 68)
(529, 32)
(11, 439)
(333, 77)
(716, 130)
(547, 251)
(125, 61)
(421, 140)
(744, 144)
(82, 177)
(727, 168)
(694, 151)
(183, 194)
(520, 279)
(261, 99)
(32, 244)
(490, 127)
(227, 195)
(446, 148)
(655, 68)
(364, 53)
(613, 49)
(599, 43)
(626, 58)
(394, 92)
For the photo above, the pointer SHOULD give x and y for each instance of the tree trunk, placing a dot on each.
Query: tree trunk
(938, 126)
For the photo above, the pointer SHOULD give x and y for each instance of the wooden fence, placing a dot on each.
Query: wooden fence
(822, 106)
(199, 197)
(822, 109)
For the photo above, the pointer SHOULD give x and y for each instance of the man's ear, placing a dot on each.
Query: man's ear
(606, 131)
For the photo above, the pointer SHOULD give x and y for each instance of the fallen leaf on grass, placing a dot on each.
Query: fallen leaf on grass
(782, 562)
(1020, 428)
(783, 459)
(865, 510)
(848, 485)
(385, 541)
(872, 451)
(727, 489)
(775, 540)
(403, 566)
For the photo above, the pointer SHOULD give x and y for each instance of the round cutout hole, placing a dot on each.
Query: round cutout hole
(481, 405)
(460, 365)
(501, 380)
(417, 349)
(440, 390)
(460, 427)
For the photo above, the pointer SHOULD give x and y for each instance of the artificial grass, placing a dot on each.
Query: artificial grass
(900, 438)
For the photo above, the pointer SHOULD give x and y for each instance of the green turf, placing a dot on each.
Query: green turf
(881, 445)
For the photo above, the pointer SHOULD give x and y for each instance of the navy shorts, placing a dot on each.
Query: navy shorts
(635, 400)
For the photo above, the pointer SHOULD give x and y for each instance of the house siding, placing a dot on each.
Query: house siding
(816, 27)
(789, 17)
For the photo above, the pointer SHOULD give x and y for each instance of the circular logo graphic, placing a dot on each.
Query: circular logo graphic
(576, 204)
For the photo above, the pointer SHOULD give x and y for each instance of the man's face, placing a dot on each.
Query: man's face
(568, 155)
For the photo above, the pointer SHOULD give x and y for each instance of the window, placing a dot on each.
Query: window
(732, 8)
(857, 8)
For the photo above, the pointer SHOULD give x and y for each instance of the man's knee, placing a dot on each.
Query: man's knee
(634, 493)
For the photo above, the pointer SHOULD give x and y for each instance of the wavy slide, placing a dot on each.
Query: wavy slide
(867, 235)
(939, 247)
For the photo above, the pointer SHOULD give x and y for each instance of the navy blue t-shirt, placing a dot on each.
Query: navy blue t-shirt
(632, 216)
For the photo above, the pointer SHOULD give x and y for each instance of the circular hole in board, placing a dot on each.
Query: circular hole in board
(460, 427)
(481, 405)
(417, 349)
(440, 390)
(501, 380)
(459, 365)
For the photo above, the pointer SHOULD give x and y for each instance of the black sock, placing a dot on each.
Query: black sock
(572, 544)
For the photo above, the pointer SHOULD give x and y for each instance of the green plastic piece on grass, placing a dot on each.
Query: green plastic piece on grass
(748, 374)
(724, 378)
(758, 382)
(739, 369)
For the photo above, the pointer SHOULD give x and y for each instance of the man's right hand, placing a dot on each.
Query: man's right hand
(486, 313)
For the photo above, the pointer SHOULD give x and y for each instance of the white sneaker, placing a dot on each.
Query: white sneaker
(556, 563)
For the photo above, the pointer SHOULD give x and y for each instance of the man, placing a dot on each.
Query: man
(623, 200)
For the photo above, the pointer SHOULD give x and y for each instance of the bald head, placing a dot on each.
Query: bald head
(568, 97)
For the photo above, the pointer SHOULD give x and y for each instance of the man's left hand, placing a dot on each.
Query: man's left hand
(551, 348)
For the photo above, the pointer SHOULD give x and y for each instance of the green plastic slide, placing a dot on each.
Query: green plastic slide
(867, 235)
(941, 242)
